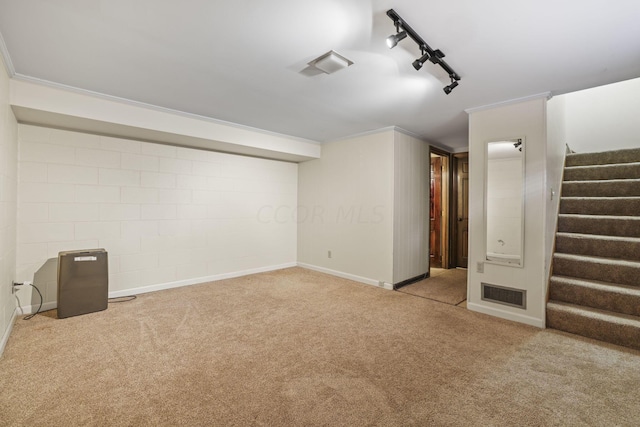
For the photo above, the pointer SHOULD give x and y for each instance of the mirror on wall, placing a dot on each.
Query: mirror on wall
(504, 202)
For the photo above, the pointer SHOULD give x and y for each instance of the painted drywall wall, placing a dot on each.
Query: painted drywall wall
(411, 207)
(525, 119)
(73, 109)
(346, 208)
(555, 157)
(603, 118)
(167, 216)
(8, 186)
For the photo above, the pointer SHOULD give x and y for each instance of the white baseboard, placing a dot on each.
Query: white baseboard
(349, 276)
(7, 332)
(197, 280)
(161, 286)
(515, 317)
(29, 309)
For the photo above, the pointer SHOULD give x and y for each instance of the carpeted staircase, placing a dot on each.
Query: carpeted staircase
(594, 290)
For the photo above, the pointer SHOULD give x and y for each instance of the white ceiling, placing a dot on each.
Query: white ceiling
(245, 61)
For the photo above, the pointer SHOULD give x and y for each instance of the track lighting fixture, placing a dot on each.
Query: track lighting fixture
(518, 144)
(393, 39)
(418, 63)
(428, 54)
(448, 89)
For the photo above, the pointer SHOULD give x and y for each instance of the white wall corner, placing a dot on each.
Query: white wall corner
(7, 332)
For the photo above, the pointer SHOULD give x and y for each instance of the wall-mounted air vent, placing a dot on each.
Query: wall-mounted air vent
(504, 295)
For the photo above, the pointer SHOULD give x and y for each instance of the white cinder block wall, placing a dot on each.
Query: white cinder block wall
(166, 215)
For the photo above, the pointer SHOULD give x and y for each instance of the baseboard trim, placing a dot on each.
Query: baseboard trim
(503, 314)
(30, 309)
(7, 332)
(348, 276)
(411, 280)
(169, 285)
(198, 280)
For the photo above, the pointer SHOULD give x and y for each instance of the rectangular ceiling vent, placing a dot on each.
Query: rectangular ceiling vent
(504, 295)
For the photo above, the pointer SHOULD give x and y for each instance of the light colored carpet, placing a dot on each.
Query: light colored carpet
(448, 286)
(296, 347)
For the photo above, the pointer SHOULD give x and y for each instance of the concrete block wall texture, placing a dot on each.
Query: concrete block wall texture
(164, 214)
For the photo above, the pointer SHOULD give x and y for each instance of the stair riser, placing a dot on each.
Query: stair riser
(622, 171)
(628, 188)
(615, 206)
(608, 300)
(598, 247)
(624, 335)
(619, 156)
(626, 275)
(603, 227)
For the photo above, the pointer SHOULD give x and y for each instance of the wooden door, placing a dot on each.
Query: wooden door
(435, 228)
(462, 210)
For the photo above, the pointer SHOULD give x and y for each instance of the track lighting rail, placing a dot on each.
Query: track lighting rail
(435, 56)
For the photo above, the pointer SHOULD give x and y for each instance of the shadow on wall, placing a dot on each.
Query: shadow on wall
(46, 280)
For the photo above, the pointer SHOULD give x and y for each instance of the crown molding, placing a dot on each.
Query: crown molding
(381, 130)
(546, 95)
(4, 52)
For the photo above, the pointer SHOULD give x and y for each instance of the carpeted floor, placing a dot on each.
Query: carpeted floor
(297, 347)
(448, 286)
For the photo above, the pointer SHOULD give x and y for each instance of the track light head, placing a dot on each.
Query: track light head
(418, 63)
(393, 39)
(448, 89)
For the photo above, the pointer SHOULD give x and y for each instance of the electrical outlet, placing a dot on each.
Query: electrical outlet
(329, 254)
(480, 267)
(15, 286)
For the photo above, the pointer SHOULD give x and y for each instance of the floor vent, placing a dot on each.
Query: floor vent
(503, 295)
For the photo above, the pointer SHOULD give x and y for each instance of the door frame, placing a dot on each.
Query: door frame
(454, 207)
(446, 223)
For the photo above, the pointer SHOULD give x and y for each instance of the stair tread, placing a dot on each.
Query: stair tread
(623, 155)
(608, 217)
(627, 290)
(603, 198)
(599, 237)
(597, 259)
(606, 165)
(599, 181)
(595, 313)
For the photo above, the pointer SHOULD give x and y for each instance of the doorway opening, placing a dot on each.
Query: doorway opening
(448, 230)
(439, 201)
(448, 210)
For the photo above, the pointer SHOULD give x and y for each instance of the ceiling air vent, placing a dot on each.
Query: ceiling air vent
(504, 295)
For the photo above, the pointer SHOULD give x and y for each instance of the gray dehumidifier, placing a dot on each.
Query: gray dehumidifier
(83, 282)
